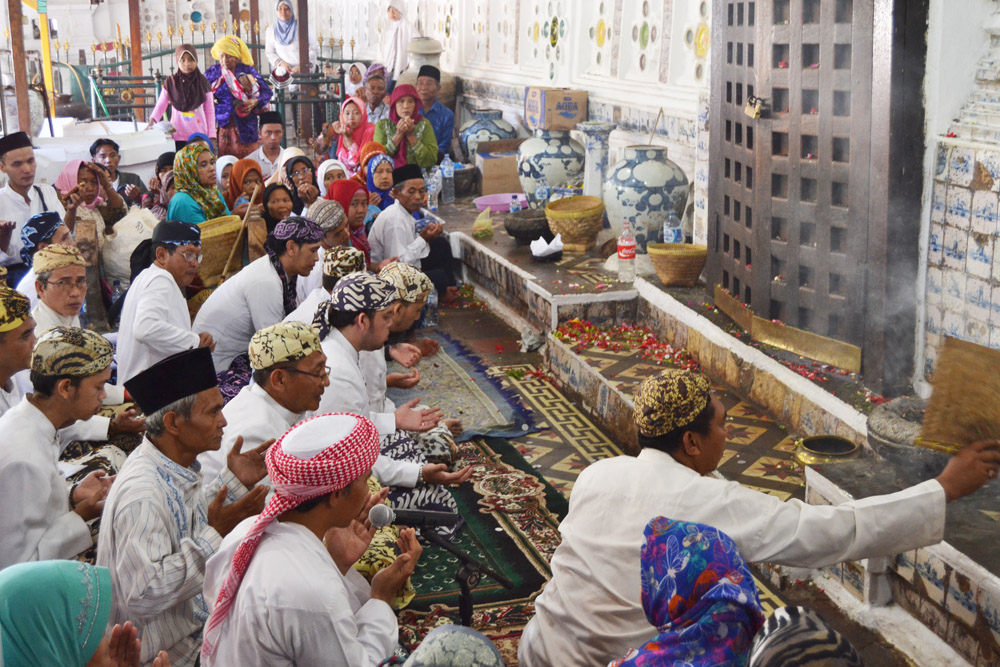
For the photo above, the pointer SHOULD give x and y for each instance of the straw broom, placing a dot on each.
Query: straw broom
(239, 236)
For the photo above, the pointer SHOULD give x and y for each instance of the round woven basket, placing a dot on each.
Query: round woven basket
(677, 264)
(578, 220)
(217, 238)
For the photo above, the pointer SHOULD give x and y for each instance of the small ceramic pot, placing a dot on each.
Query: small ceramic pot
(486, 125)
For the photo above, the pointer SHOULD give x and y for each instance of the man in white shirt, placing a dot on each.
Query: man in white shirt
(289, 375)
(61, 284)
(259, 296)
(338, 262)
(155, 321)
(69, 368)
(40, 231)
(284, 587)
(272, 131)
(590, 611)
(21, 198)
(357, 317)
(160, 524)
(395, 233)
(17, 340)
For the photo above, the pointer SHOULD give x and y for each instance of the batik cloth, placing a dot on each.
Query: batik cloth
(282, 342)
(670, 400)
(71, 352)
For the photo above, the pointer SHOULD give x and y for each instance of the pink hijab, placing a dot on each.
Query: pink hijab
(351, 157)
(69, 178)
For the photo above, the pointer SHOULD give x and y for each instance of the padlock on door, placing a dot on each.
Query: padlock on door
(753, 107)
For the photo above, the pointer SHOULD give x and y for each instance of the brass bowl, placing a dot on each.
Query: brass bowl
(817, 449)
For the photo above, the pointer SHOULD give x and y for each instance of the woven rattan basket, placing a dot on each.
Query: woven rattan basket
(677, 264)
(578, 220)
(217, 238)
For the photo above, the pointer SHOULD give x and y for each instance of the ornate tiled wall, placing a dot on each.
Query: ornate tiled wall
(963, 277)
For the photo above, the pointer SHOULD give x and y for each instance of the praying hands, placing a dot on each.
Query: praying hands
(89, 495)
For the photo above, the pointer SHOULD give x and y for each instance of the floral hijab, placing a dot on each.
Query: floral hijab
(186, 180)
(69, 178)
(398, 93)
(700, 595)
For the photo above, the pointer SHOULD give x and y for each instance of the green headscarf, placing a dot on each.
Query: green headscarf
(53, 612)
(186, 180)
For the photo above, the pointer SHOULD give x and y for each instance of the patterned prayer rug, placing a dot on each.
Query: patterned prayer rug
(459, 381)
(512, 516)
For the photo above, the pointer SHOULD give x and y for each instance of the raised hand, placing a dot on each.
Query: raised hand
(346, 545)
(403, 380)
(970, 469)
(388, 581)
(249, 467)
(205, 340)
(409, 419)
(6, 231)
(406, 354)
(124, 646)
(225, 517)
(126, 421)
(90, 494)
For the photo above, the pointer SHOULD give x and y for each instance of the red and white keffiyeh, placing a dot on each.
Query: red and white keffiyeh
(296, 479)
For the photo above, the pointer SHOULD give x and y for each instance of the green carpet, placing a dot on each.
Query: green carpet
(511, 525)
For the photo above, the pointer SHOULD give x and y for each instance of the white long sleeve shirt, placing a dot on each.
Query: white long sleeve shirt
(395, 41)
(86, 430)
(47, 319)
(239, 308)
(36, 522)
(27, 287)
(306, 284)
(348, 393)
(275, 51)
(394, 235)
(306, 309)
(155, 539)
(155, 323)
(590, 611)
(14, 209)
(294, 607)
(375, 369)
(253, 414)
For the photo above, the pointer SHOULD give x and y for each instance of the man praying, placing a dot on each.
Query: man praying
(160, 523)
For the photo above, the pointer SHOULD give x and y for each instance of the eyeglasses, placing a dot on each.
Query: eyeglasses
(67, 284)
(319, 376)
(193, 257)
(304, 171)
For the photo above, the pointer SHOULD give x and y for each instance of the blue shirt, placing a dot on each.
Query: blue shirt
(184, 208)
(443, 121)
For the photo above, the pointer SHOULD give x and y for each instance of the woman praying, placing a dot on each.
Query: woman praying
(164, 193)
(235, 109)
(407, 136)
(379, 171)
(99, 202)
(329, 171)
(245, 177)
(196, 198)
(300, 177)
(189, 95)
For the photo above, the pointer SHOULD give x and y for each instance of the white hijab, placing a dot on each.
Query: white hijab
(353, 87)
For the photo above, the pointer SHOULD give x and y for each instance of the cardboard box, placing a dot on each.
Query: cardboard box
(554, 108)
(497, 165)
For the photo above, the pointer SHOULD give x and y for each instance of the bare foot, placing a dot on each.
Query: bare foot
(450, 295)
(427, 346)
(455, 426)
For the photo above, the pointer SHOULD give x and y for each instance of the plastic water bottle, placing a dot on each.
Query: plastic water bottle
(447, 180)
(433, 189)
(117, 291)
(515, 204)
(431, 309)
(672, 230)
(626, 255)
(541, 194)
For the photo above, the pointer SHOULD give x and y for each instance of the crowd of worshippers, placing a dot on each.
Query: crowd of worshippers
(195, 489)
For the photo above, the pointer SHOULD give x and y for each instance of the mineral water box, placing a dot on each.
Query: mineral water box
(554, 108)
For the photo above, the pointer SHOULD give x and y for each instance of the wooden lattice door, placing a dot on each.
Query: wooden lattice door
(789, 192)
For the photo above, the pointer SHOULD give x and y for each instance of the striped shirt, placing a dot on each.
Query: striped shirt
(155, 539)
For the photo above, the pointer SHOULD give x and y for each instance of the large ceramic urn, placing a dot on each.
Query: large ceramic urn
(550, 157)
(486, 125)
(427, 51)
(642, 188)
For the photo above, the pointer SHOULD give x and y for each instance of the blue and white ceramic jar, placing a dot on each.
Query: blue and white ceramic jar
(486, 125)
(642, 188)
(550, 156)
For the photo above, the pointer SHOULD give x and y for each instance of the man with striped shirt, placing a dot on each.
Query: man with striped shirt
(160, 524)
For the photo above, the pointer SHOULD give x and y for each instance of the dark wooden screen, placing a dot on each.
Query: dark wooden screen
(789, 213)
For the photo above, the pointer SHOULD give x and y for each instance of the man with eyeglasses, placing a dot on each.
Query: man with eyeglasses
(155, 321)
(289, 376)
(61, 283)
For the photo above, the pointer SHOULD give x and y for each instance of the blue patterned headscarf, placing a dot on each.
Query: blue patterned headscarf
(386, 195)
(286, 31)
(700, 595)
(54, 612)
(39, 228)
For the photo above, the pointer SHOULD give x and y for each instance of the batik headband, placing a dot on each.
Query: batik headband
(281, 342)
(298, 229)
(410, 281)
(343, 260)
(55, 257)
(359, 292)
(669, 401)
(38, 229)
(73, 352)
(14, 309)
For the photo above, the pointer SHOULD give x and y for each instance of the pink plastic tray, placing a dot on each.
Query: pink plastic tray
(500, 202)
